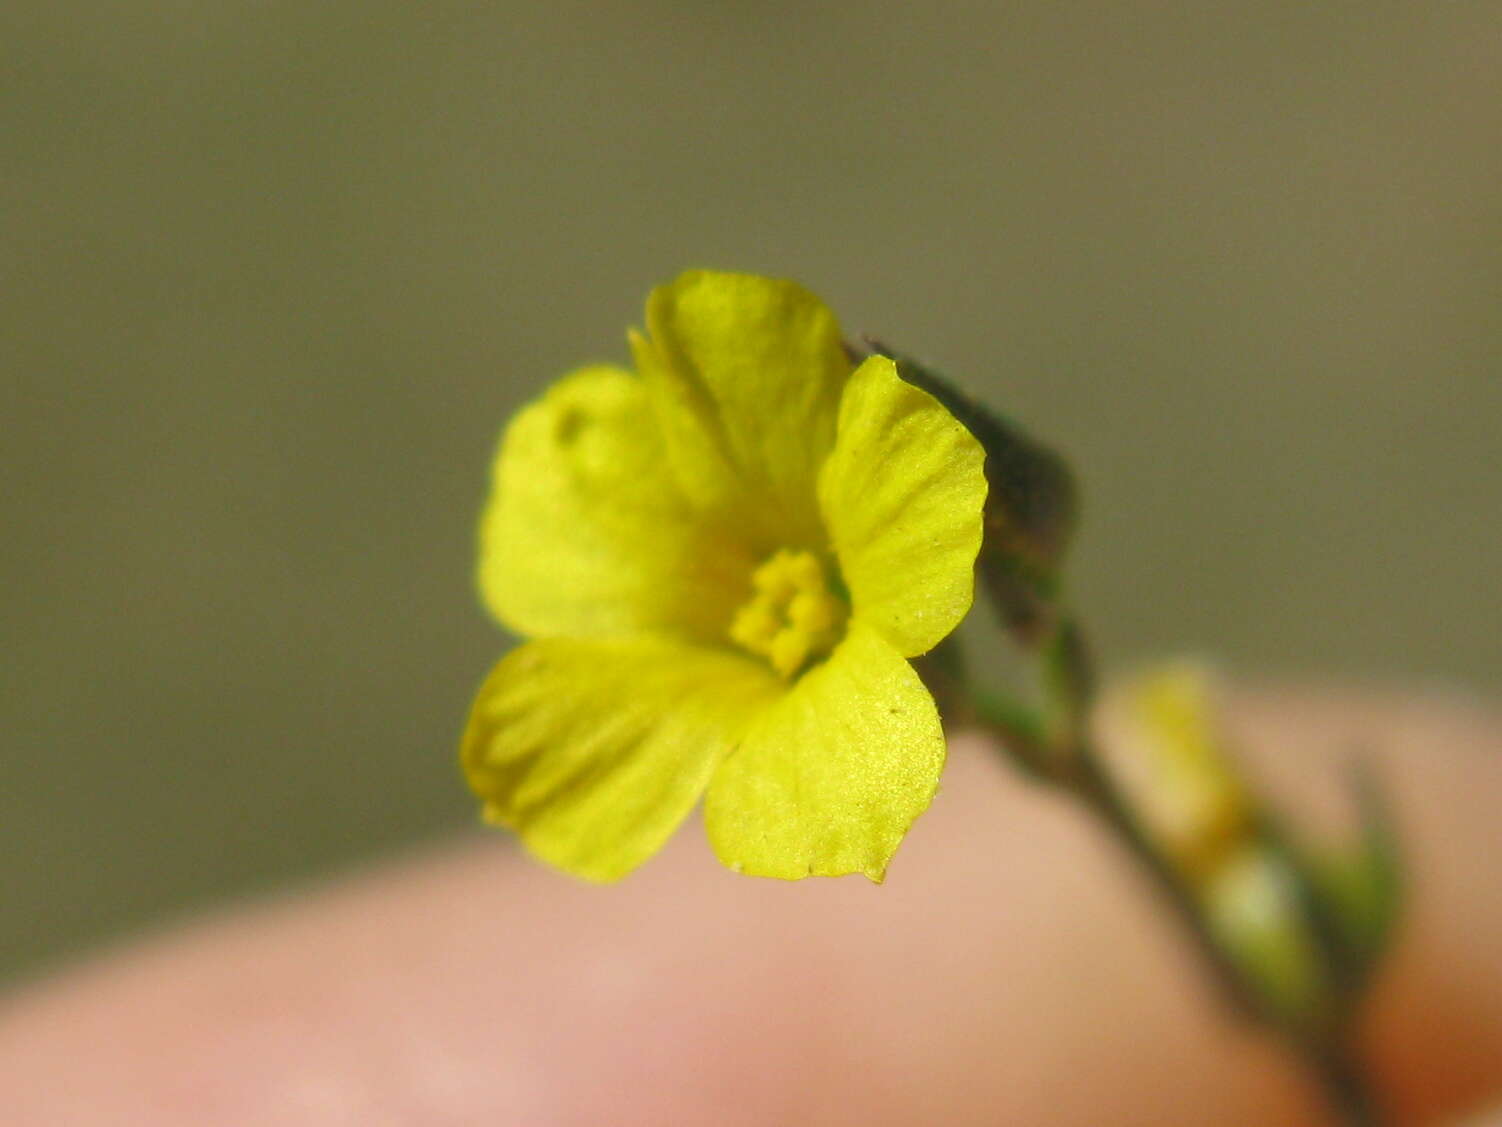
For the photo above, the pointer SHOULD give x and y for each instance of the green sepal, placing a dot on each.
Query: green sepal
(1350, 897)
(1362, 884)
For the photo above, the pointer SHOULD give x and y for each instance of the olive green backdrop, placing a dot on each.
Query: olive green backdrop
(272, 275)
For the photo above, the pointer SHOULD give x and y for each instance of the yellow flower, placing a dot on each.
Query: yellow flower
(1169, 754)
(723, 562)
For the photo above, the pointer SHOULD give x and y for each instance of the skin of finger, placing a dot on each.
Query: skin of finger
(1011, 970)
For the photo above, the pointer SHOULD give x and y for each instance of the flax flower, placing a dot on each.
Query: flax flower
(722, 563)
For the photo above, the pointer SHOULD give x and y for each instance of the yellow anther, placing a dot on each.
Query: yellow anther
(793, 617)
(774, 578)
(803, 569)
(755, 626)
(788, 651)
(812, 612)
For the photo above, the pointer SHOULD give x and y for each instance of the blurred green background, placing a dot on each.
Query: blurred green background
(275, 273)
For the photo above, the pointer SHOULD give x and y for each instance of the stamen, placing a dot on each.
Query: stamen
(793, 617)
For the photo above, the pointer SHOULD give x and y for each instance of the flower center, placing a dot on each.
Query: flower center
(793, 617)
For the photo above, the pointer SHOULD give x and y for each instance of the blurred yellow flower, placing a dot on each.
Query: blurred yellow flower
(1168, 751)
(723, 562)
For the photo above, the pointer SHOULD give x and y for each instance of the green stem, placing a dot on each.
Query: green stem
(1335, 1071)
(1069, 759)
(1090, 782)
(1347, 1093)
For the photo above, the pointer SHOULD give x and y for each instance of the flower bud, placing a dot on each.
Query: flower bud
(1166, 754)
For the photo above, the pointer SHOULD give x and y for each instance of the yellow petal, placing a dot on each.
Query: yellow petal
(746, 375)
(902, 495)
(828, 778)
(586, 532)
(595, 751)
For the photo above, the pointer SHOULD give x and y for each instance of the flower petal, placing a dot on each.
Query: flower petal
(586, 532)
(746, 375)
(829, 778)
(902, 495)
(595, 751)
